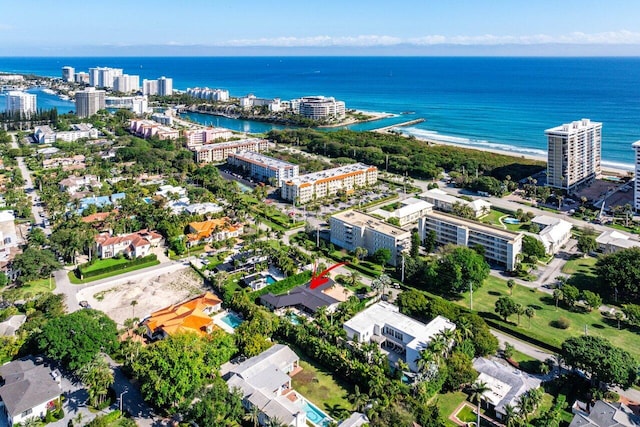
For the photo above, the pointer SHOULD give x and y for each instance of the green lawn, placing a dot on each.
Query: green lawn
(317, 385)
(448, 402)
(33, 288)
(104, 263)
(582, 271)
(73, 279)
(484, 301)
(493, 217)
(526, 362)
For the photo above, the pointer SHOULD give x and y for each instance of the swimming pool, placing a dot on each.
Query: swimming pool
(293, 318)
(315, 415)
(270, 279)
(232, 320)
(511, 221)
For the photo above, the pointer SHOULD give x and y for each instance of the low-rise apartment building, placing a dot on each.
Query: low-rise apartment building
(397, 334)
(264, 168)
(316, 185)
(202, 136)
(149, 129)
(219, 152)
(409, 212)
(46, 135)
(445, 202)
(501, 246)
(554, 232)
(352, 229)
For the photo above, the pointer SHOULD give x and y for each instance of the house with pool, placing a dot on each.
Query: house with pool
(193, 315)
(398, 336)
(265, 382)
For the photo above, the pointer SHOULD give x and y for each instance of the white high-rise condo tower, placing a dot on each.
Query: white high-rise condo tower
(574, 154)
(21, 102)
(68, 74)
(636, 193)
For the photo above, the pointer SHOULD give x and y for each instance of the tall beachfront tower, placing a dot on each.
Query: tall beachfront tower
(21, 102)
(165, 86)
(574, 154)
(89, 101)
(636, 193)
(68, 74)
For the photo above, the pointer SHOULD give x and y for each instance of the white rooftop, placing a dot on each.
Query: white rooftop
(261, 159)
(360, 219)
(616, 238)
(437, 194)
(312, 178)
(230, 144)
(383, 313)
(411, 206)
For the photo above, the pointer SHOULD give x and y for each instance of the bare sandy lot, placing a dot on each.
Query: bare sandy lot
(151, 293)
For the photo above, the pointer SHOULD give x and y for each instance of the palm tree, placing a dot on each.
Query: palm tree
(358, 399)
(529, 312)
(519, 311)
(133, 308)
(464, 328)
(510, 284)
(619, 316)
(558, 295)
(98, 377)
(275, 422)
(253, 415)
(478, 389)
(510, 416)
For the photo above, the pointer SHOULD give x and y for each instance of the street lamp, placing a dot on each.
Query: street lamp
(121, 394)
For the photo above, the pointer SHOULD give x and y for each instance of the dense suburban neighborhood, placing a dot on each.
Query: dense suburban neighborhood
(160, 272)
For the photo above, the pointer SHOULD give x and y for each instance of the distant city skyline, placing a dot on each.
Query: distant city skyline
(252, 27)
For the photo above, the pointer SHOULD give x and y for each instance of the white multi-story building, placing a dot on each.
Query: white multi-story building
(165, 86)
(306, 188)
(82, 77)
(103, 76)
(501, 246)
(138, 104)
(320, 107)
(149, 87)
(219, 152)
(446, 202)
(89, 102)
(46, 135)
(574, 154)
(150, 129)
(409, 212)
(206, 93)
(68, 74)
(351, 229)
(21, 102)
(126, 83)
(264, 168)
(250, 101)
(202, 136)
(396, 333)
(636, 198)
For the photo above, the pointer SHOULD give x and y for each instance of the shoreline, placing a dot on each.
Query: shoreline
(613, 170)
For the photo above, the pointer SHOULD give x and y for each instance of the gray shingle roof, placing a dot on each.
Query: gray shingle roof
(27, 385)
(605, 414)
(304, 296)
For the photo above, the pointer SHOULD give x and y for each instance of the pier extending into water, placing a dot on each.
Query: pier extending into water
(399, 125)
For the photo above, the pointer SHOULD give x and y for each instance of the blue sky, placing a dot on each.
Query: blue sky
(30, 27)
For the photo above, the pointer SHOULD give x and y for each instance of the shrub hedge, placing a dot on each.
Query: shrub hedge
(136, 261)
(284, 285)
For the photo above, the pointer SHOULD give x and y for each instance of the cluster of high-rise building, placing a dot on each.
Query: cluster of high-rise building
(161, 87)
(21, 102)
(114, 78)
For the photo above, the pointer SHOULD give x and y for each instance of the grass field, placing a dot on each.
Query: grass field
(545, 314)
(318, 386)
(104, 263)
(33, 288)
(583, 272)
(448, 402)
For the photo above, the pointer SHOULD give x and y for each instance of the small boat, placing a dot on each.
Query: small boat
(405, 113)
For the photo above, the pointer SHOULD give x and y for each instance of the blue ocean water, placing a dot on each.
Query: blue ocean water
(504, 103)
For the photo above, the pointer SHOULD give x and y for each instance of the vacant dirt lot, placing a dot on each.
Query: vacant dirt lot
(151, 294)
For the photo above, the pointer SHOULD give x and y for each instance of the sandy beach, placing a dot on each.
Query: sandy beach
(606, 169)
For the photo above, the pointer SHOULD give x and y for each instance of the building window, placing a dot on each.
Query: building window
(25, 413)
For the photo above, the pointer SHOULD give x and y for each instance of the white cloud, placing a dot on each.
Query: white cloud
(611, 37)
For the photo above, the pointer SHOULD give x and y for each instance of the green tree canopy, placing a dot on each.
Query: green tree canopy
(620, 271)
(505, 307)
(34, 264)
(532, 247)
(598, 357)
(75, 339)
(458, 268)
(587, 243)
(172, 370)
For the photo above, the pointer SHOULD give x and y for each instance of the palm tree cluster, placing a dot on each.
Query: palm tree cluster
(98, 377)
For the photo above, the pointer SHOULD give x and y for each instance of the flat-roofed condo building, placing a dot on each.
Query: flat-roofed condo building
(89, 101)
(103, 76)
(68, 74)
(501, 246)
(574, 154)
(202, 136)
(219, 152)
(636, 197)
(321, 107)
(21, 102)
(264, 168)
(305, 188)
(352, 229)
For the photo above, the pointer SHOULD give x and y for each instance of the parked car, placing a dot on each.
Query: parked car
(84, 304)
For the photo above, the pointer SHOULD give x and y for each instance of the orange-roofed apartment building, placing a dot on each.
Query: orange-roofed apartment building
(212, 230)
(148, 129)
(317, 185)
(190, 316)
(132, 245)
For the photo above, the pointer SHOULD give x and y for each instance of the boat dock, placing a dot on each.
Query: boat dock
(399, 125)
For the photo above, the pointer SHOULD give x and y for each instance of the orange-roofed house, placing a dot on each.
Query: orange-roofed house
(212, 230)
(133, 245)
(190, 316)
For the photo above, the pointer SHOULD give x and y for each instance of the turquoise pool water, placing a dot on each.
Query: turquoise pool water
(232, 320)
(315, 415)
(511, 221)
(270, 279)
(293, 318)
